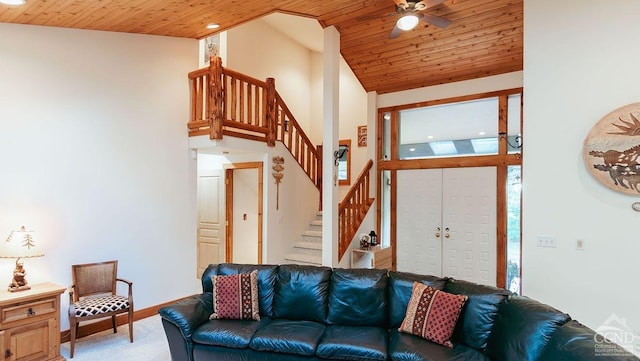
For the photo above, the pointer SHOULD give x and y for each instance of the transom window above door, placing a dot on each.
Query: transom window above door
(458, 129)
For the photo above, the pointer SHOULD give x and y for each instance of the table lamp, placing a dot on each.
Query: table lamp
(20, 244)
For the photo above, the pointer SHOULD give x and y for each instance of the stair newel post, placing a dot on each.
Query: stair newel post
(271, 113)
(216, 95)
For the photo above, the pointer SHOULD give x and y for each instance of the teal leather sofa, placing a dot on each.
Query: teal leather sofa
(320, 313)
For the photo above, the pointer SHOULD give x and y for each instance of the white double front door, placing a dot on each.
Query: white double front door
(446, 223)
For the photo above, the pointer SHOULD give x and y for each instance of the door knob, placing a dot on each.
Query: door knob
(437, 232)
(446, 235)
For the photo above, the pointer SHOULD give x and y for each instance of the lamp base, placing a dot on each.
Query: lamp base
(19, 282)
(18, 288)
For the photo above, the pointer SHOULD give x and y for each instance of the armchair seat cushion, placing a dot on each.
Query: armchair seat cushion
(406, 347)
(91, 306)
(229, 333)
(288, 336)
(353, 343)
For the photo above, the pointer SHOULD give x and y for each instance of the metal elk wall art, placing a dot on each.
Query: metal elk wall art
(612, 147)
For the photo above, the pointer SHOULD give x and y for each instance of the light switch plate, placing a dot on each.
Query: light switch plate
(546, 241)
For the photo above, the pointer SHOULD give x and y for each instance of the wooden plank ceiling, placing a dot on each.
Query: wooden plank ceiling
(484, 38)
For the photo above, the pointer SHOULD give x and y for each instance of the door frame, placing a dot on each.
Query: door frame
(501, 161)
(228, 181)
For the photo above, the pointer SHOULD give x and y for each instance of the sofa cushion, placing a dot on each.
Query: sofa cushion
(235, 297)
(287, 336)
(479, 312)
(358, 297)
(576, 342)
(301, 293)
(522, 329)
(266, 282)
(432, 314)
(405, 347)
(353, 343)
(228, 333)
(400, 289)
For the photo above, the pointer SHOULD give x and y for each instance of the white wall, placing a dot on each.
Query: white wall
(258, 50)
(580, 64)
(93, 148)
(352, 113)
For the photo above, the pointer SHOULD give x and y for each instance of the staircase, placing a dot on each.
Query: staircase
(226, 102)
(308, 250)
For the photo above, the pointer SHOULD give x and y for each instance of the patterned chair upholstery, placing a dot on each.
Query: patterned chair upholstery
(93, 295)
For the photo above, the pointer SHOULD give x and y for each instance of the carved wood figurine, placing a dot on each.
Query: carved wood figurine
(278, 167)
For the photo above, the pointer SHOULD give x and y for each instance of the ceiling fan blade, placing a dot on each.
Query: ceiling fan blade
(430, 3)
(435, 20)
(395, 32)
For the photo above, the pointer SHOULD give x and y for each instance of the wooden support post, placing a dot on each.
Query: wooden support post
(215, 97)
(270, 113)
(319, 175)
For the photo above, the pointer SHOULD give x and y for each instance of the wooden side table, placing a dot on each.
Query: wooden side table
(30, 323)
(375, 257)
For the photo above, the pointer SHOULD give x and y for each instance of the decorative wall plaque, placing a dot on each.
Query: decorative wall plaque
(612, 147)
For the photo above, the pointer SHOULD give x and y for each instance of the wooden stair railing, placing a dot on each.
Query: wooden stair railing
(353, 209)
(226, 102)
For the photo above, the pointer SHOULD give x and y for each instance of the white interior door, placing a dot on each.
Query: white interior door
(245, 216)
(210, 239)
(447, 223)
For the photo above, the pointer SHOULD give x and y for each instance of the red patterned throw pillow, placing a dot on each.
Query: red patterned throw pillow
(432, 314)
(236, 297)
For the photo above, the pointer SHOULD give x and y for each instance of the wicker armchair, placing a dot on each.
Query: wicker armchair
(93, 295)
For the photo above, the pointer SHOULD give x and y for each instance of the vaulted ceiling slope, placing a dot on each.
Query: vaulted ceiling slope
(485, 37)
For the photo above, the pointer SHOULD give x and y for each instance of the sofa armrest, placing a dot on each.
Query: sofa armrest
(181, 319)
(189, 313)
(576, 342)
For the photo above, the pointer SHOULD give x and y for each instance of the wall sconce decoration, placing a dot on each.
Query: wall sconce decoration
(278, 167)
(517, 139)
(20, 244)
(362, 136)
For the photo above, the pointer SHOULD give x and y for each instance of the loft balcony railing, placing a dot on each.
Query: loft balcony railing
(226, 102)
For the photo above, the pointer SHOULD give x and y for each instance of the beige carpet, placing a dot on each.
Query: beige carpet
(149, 344)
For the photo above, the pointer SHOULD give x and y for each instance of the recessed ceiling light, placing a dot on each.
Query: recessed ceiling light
(213, 26)
(430, 136)
(482, 133)
(412, 149)
(13, 2)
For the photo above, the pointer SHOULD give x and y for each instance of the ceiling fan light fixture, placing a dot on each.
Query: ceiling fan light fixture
(407, 22)
(13, 2)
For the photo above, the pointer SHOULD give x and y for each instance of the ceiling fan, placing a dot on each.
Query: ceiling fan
(410, 12)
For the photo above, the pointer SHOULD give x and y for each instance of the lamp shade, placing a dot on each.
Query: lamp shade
(21, 244)
(407, 22)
